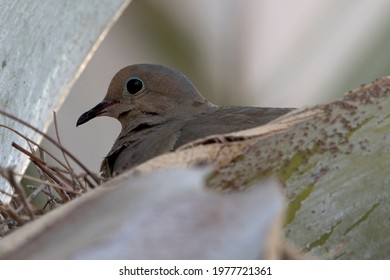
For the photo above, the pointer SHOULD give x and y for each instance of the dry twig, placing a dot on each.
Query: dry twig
(58, 183)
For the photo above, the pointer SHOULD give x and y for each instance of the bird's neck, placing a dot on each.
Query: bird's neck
(142, 122)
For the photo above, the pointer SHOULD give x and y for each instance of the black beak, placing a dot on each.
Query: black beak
(95, 111)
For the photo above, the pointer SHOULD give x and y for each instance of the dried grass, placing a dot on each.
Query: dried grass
(58, 182)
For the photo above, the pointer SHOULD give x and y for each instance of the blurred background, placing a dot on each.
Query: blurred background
(269, 53)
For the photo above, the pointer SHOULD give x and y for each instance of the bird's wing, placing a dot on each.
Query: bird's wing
(227, 120)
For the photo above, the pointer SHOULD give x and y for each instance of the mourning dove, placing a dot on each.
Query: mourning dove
(160, 110)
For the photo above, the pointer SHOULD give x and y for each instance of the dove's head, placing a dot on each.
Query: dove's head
(145, 91)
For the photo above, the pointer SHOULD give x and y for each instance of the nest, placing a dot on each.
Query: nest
(56, 182)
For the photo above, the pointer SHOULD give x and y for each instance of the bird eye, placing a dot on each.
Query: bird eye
(134, 85)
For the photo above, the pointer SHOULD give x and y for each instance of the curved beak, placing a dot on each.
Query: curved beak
(95, 111)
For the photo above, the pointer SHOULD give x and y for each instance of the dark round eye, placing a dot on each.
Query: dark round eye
(134, 85)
